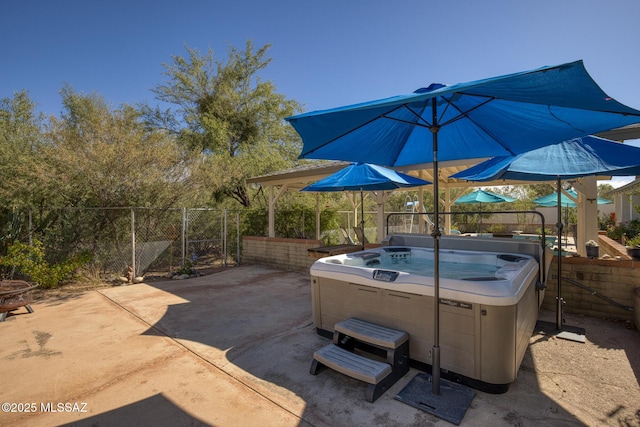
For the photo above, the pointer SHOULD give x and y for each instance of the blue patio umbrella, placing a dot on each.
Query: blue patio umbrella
(569, 159)
(499, 116)
(551, 200)
(365, 177)
(483, 196)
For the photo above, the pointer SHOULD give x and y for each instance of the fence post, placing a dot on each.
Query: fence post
(224, 238)
(317, 217)
(184, 234)
(238, 238)
(30, 227)
(133, 242)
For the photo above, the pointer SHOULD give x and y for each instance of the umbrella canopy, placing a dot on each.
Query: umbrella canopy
(483, 196)
(552, 200)
(574, 158)
(365, 177)
(499, 116)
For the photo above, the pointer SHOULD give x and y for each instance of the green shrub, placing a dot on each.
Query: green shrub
(188, 267)
(627, 230)
(547, 231)
(497, 228)
(634, 242)
(29, 261)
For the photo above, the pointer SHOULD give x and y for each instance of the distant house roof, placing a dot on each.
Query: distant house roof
(627, 188)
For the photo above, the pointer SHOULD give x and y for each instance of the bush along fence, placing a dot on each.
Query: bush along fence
(131, 240)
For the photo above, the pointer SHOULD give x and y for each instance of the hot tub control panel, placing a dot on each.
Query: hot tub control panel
(385, 275)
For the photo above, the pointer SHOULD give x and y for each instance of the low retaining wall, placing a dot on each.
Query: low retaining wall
(285, 254)
(612, 278)
(612, 248)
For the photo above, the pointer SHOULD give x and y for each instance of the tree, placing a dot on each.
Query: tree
(96, 156)
(20, 140)
(101, 157)
(229, 115)
(604, 190)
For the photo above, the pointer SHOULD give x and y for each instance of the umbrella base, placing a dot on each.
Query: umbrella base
(451, 405)
(570, 333)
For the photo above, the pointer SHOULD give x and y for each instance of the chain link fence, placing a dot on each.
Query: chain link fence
(149, 239)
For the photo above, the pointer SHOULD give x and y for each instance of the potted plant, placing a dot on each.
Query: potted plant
(633, 247)
(593, 249)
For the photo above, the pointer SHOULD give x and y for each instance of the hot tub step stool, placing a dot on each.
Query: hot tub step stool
(340, 357)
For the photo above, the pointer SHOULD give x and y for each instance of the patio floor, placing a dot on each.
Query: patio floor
(234, 349)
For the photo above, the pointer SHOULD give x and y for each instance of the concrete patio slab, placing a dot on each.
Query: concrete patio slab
(234, 349)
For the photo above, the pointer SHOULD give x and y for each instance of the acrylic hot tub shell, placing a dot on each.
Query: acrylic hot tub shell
(484, 326)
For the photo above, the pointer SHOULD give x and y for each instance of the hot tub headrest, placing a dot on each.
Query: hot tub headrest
(366, 255)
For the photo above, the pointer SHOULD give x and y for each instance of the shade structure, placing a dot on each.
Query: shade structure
(365, 177)
(499, 116)
(551, 200)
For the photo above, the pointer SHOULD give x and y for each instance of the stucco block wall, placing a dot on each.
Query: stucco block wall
(285, 254)
(614, 279)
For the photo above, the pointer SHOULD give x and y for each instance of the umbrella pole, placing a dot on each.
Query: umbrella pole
(566, 230)
(362, 216)
(435, 354)
(559, 301)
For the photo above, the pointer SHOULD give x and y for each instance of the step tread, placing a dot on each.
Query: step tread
(372, 333)
(351, 364)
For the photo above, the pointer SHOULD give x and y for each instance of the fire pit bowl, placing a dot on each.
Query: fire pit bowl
(15, 294)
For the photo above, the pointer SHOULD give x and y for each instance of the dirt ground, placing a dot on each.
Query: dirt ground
(79, 286)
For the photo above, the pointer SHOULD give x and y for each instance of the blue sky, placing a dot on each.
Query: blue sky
(325, 53)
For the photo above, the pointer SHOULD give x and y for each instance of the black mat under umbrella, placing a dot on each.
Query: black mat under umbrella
(450, 405)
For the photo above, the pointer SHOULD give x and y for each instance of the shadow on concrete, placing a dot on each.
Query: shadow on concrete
(136, 414)
(595, 377)
(625, 339)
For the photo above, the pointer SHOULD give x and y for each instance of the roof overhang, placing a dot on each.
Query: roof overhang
(301, 176)
(623, 133)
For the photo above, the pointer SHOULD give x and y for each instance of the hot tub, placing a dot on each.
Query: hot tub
(489, 301)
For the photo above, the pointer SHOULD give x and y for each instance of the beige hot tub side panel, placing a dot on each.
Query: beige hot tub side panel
(481, 342)
(334, 301)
